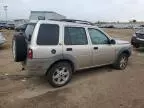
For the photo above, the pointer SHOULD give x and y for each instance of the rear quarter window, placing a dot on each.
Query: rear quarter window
(48, 34)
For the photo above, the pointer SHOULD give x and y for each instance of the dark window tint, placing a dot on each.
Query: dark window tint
(75, 36)
(48, 34)
(97, 37)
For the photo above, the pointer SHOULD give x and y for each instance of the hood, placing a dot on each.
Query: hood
(121, 42)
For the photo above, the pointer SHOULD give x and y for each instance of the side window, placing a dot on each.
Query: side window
(48, 34)
(75, 36)
(97, 37)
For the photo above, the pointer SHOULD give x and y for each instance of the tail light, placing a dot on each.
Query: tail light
(30, 54)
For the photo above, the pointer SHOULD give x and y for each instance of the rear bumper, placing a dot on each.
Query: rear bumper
(35, 66)
(136, 40)
(40, 66)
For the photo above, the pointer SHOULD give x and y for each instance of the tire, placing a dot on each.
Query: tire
(60, 74)
(136, 45)
(19, 48)
(122, 61)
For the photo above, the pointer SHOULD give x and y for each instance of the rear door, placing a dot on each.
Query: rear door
(76, 46)
(48, 46)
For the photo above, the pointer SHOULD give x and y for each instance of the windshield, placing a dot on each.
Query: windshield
(29, 30)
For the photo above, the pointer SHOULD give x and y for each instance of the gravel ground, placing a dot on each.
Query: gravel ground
(93, 88)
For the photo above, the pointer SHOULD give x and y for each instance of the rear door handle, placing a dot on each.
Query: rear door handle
(69, 49)
(95, 48)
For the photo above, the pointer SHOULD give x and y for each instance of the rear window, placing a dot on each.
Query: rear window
(48, 34)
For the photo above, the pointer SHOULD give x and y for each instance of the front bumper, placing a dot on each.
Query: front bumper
(136, 40)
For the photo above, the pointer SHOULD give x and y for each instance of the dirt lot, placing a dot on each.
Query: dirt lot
(94, 88)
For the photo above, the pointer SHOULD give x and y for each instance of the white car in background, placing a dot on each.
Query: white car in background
(2, 39)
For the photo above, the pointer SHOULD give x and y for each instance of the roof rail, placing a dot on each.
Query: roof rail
(74, 21)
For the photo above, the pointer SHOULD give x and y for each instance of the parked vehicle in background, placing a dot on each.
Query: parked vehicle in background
(142, 26)
(105, 26)
(21, 28)
(57, 48)
(19, 22)
(2, 25)
(2, 39)
(138, 27)
(10, 26)
(137, 39)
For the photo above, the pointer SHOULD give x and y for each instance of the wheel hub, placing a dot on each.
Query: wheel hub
(123, 62)
(61, 75)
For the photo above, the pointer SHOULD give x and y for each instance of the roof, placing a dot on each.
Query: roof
(63, 23)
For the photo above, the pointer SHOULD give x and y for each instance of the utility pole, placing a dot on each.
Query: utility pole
(5, 9)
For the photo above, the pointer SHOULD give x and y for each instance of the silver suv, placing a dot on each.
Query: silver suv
(59, 48)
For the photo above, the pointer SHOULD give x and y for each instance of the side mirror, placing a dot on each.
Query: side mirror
(112, 41)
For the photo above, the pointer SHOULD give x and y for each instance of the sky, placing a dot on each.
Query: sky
(91, 10)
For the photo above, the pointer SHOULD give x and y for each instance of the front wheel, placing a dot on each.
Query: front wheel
(122, 61)
(136, 45)
(60, 74)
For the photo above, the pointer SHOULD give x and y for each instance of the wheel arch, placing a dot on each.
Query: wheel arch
(123, 51)
(63, 60)
(126, 51)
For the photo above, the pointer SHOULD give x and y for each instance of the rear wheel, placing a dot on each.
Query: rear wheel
(136, 45)
(60, 74)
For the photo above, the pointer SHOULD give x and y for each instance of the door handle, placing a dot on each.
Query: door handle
(69, 49)
(95, 48)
